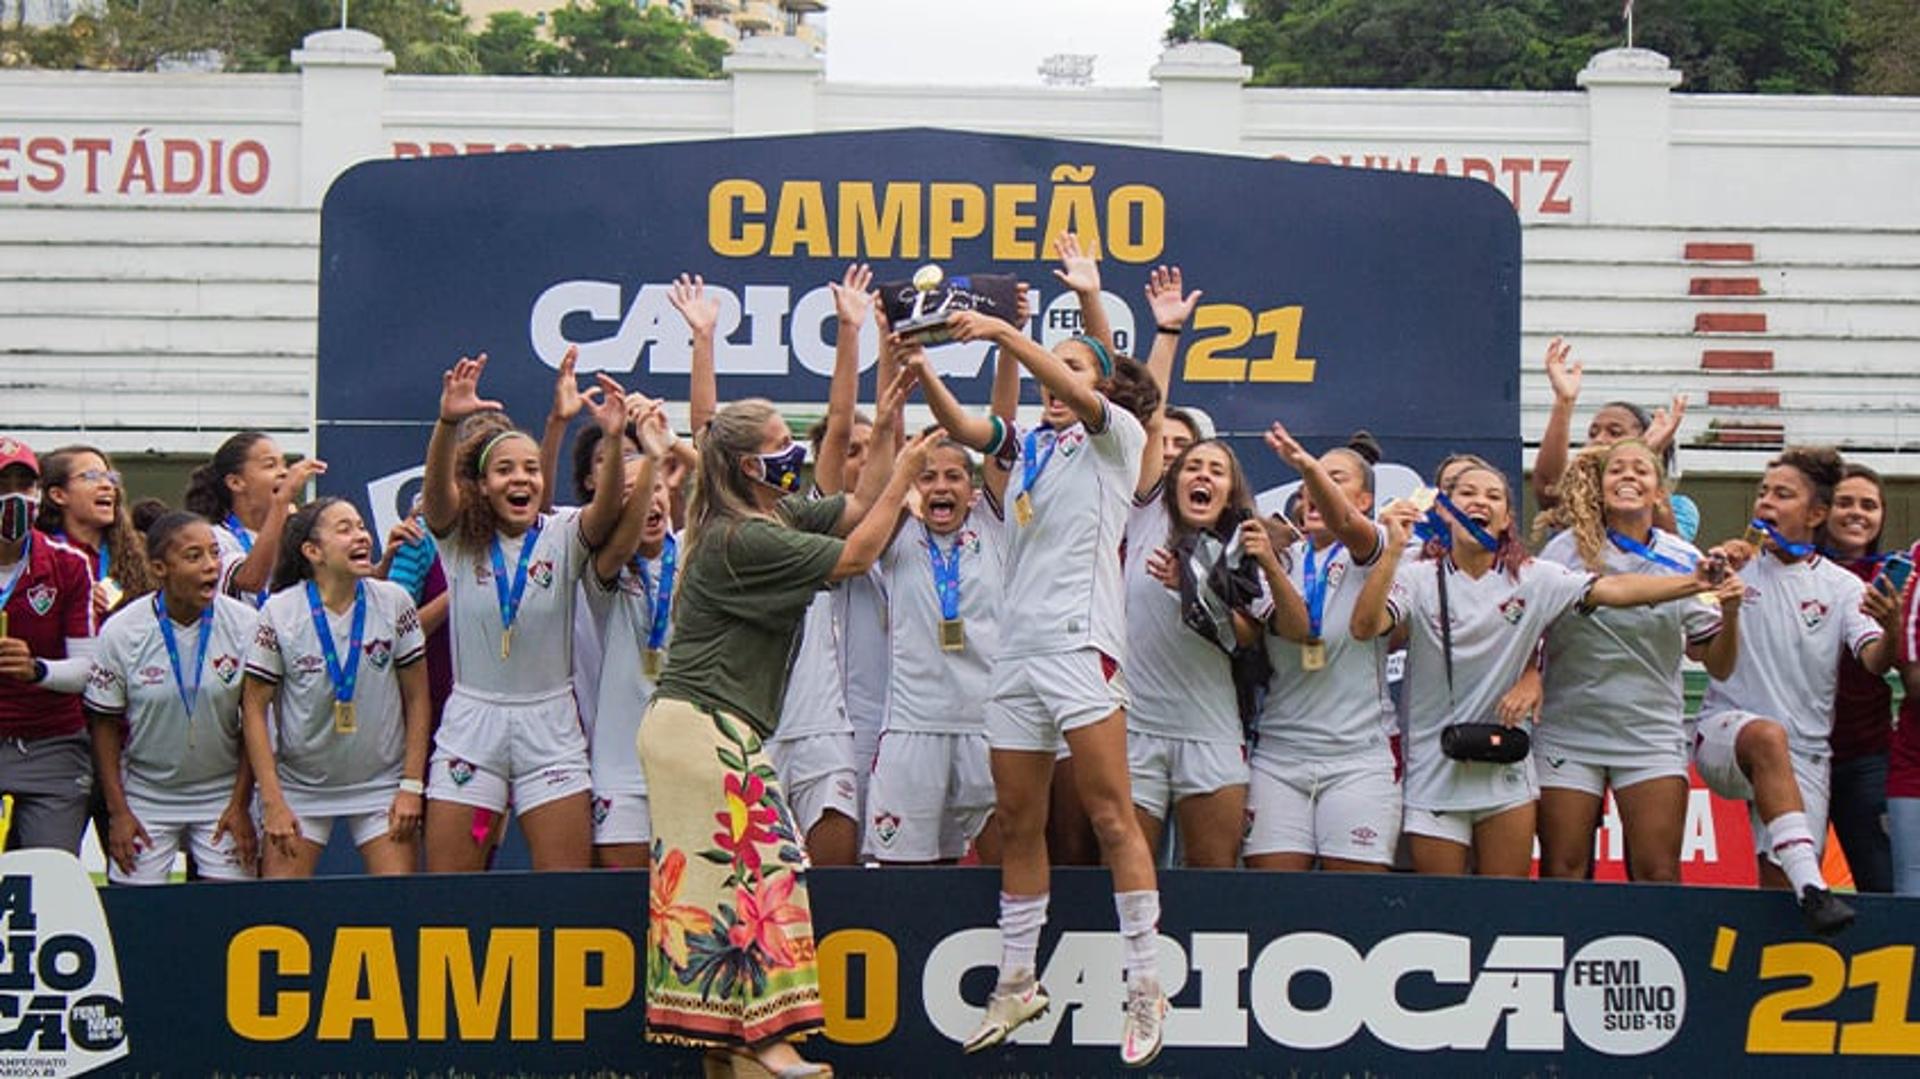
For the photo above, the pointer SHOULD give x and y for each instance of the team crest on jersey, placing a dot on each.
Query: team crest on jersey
(1813, 613)
(41, 596)
(481, 574)
(266, 638)
(601, 808)
(969, 541)
(226, 667)
(1513, 609)
(1069, 443)
(309, 664)
(541, 573)
(379, 653)
(1335, 574)
(152, 676)
(461, 772)
(886, 827)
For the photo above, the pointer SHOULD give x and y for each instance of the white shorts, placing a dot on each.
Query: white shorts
(929, 796)
(1453, 825)
(364, 827)
(1165, 770)
(1344, 807)
(1714, 739)
(1037, 699)
(153, 865)
(489, 754)
(1565, 773)
(621, 819)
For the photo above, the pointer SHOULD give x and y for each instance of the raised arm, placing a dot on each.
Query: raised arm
(459, 398)
(567, 402)
(647, 417)
(1551, 462)
(1081, 274)
(878, 472)
(702, 312)
(253, 574)
(871, 535)
(997, 466)
(851, 304)
(609, 410)
(1172, 308)
(971, 430)
(1348, 525)
(1080, 396)
(1370, 615)
(1289, 618)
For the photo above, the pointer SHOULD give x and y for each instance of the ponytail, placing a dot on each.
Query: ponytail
(207, 493)
(290, 564)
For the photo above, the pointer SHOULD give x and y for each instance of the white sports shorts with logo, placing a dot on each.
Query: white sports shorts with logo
(929, 796)
(1556, 769)
(1340, 807)
(1037, 699)
(817, 774)
(1713, 753)
(621, 819)
(317, 810)
(154, 864)
(1453, 825)
(492, 753)
(1165, 770)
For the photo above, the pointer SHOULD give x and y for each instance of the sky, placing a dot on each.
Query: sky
(990, 42)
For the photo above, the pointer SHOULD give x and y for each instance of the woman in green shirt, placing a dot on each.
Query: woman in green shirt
(729, 930)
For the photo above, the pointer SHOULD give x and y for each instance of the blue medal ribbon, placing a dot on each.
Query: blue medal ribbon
(246, 547)
(1875, 561)
(510, 598)
(1480, 535)
(1033, 462)
(26, 566)
(188, 694)
(1314, 586)
(1635, 547)
(662, 600)
(343, 677)
(946, 575)
(1793, 550)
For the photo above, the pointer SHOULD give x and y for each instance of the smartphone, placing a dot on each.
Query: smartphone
(1897, 570)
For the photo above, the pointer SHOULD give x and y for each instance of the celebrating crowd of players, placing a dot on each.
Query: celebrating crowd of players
(1026, 646)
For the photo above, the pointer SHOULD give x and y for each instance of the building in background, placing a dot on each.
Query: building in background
(729, 20)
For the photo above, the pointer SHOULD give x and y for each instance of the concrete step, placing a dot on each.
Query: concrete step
(163, 261)
(1553, 278)
(1820, 317)
(171, 299)
(1625, 351)
(112, 332)
(1784, 245)
(172, 224)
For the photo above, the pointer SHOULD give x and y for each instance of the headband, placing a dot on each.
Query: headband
(1100, 353)
(480, 466)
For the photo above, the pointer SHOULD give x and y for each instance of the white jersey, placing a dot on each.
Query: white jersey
(540, 660)
(1794, 621)
(1343, 709)
(624, 689)
(1614, 695)
(1063, 567)
(932, 690)
(358, 771)
(1181, 683)
(864, 660)
(1496, 622)
(816, 701)
(178, 768)
(234, 547)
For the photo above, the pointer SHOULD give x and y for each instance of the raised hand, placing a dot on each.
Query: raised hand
(1564, 377)
(895, 394)
(853, 296)
(1171, 308)
(912, 459)
(298, 475)
(1287, 449)
(1077, 270)
(567, 395)
(607, 407)
(1666, 424)
(460, 391)
(1399, 517)
(689, 297)
(974, 326)
(1022, 304)
(648, 418)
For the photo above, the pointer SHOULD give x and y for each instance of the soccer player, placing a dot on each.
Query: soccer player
(247, 491)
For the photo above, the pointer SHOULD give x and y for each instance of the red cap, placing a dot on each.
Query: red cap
(15, 452)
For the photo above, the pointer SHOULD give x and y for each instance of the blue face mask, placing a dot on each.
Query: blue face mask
(782, 470)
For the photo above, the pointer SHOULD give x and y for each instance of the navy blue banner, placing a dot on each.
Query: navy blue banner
(540, 975)
(1335, 299)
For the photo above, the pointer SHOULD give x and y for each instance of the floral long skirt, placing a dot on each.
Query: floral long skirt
(730, 949)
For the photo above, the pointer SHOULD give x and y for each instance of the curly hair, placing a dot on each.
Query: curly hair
(1821, 465)
(125, 547)
(476, 524)
(1582, 508)
(1131, 386)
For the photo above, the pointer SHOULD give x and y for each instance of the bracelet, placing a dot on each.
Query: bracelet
(40, 670)
(1171, 331)
(409, 785)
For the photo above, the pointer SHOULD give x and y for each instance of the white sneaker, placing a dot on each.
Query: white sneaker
(1006, 1011)
(1146, 1017)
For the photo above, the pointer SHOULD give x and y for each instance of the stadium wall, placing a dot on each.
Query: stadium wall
(159, 243)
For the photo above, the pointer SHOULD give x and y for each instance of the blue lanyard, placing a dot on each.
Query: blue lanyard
(946, 574)
(343, 677)
(1635, 547)
(662, 601)
(510, 600)
(246, 547)
(1480, 535)
(1033, 462)
(26, 567)
(1871, 561)
(1431, 529)
(188, 694)
(1793, 550)
(1314, 585)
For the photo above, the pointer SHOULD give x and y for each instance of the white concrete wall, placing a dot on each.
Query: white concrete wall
(152, 301)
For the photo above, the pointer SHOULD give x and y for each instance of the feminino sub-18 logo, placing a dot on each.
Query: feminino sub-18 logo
(60, 1004)
(1416, 991)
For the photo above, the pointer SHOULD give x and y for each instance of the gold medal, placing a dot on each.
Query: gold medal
(1023, 510)
(3, 623)
(650, 662)
(1423, 499)
(1755, 537)
(506, 642)
(1313, 654)
(111, 591)
(344, 720)
(953, 635)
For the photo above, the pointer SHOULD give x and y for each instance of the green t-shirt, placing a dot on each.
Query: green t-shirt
(738, 608)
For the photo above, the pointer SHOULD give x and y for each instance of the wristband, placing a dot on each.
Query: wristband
(1171, 331)
(410, 785)
(40, 670)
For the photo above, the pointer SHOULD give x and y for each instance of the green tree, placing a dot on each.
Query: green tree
(1885, 38)
(511, 45)
(615, 38)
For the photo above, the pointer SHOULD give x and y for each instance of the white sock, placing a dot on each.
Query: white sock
(1793, 848)
(1139, 928)
(1021, 919)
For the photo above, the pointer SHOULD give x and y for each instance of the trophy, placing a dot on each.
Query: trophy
(918, 310)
